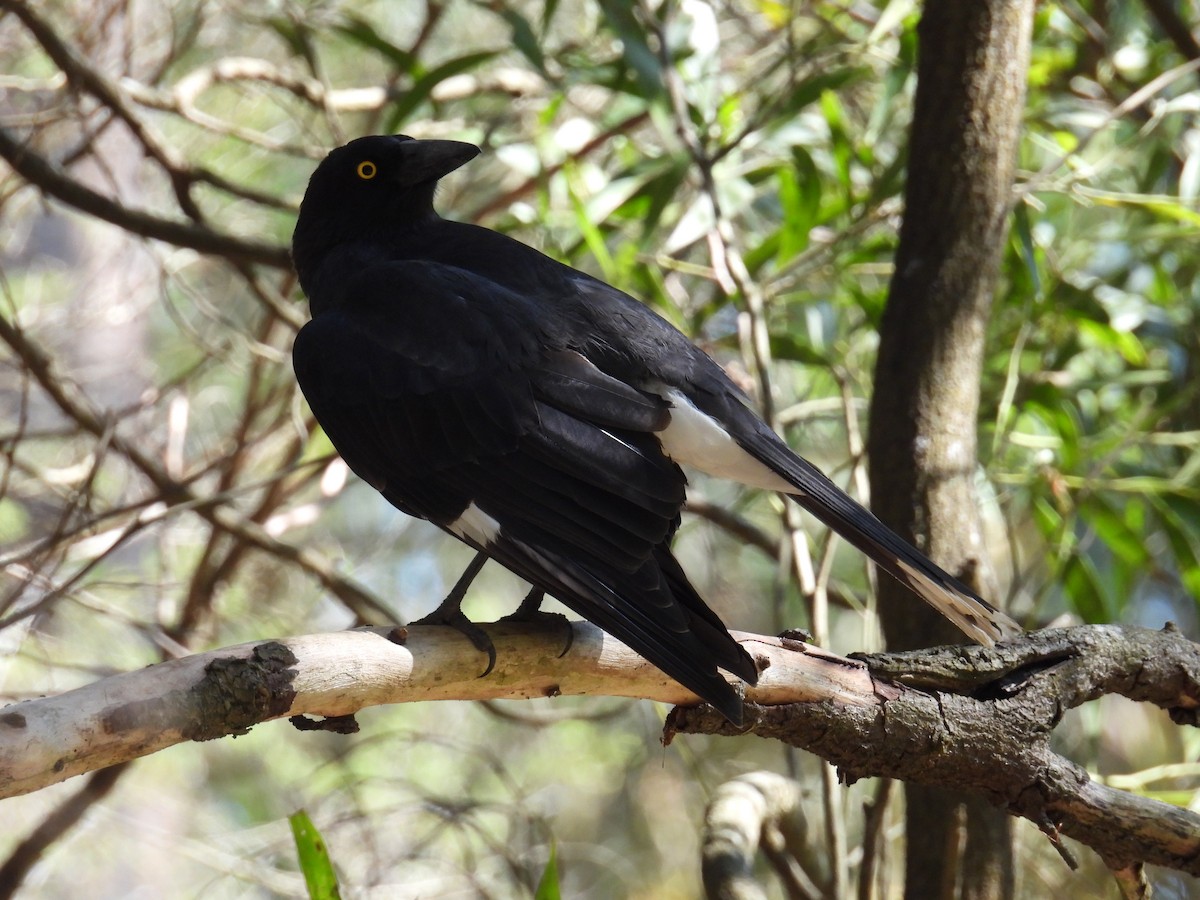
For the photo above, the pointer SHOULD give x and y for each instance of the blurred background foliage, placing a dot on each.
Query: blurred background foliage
(158, 470)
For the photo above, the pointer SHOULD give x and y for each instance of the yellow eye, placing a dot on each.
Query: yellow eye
(367, 170)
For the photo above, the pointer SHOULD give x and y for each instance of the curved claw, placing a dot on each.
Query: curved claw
(454, 618)
(529, 611)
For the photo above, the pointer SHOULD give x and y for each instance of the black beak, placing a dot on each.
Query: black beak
(424, 161)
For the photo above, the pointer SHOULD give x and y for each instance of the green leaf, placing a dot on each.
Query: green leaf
(1126, 544)
(1086, 589)
(593, 237)
(661, 190)
(1180, 520)
(635, 46)
(785, 346)
(420, 91)
(294, 35)
(810, 90)
(1105, 336)
(843, 151)
(548, 885)
(1049, 520)
(319, 875)
(363, 33)
(524, 38)
(800, 200)
(549, 8)
(1024, 232)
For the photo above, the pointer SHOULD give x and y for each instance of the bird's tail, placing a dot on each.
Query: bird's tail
(977, 618)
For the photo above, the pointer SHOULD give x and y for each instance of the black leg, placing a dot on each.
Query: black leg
(530, 611)
(449, 612)
(530, 607)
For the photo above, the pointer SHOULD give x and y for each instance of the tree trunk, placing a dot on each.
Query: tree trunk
(966, 122)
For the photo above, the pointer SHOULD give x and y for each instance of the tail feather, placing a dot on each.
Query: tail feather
(977, 618)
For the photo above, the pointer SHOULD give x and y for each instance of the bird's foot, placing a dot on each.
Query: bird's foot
(530, 612)
(450, 613)
(452, 617)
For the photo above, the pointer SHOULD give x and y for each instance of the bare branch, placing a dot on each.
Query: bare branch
(53, 181)
(210, 695)
(85, 78)
(755, 809)
(992, 740)
(75, 404)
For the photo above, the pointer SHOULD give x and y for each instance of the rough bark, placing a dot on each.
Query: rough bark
(966, 120)
(977, 720)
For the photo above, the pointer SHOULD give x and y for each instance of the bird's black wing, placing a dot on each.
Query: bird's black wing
(460, 402)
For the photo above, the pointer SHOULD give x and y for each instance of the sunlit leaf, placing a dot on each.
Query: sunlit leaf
(1124, 342)
(1166, 207)
(1110, 526)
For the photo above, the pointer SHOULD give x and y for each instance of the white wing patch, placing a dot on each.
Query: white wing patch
(475, 525)
(696, 439)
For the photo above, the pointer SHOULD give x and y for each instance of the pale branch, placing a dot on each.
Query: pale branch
(756, 810)
(223, 692)
(980, 720)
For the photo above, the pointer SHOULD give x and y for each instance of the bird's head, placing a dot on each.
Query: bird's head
(370, 185)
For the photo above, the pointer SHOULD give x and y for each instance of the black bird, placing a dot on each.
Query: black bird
(540, 415)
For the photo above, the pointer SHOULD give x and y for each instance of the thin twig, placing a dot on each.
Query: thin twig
(75, 404)
(54, 182)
